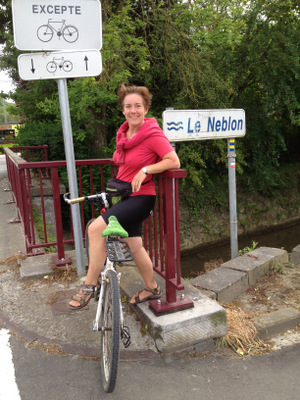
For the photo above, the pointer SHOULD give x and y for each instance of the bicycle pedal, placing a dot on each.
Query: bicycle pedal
(125, 337)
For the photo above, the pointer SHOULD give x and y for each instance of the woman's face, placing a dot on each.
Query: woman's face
(134, 110)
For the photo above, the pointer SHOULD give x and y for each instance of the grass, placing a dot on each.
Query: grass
(39, 225)
(242, 336)
(279, 267)
(247, 249)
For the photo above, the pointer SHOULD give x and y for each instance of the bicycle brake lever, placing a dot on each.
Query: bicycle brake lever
(103, 196)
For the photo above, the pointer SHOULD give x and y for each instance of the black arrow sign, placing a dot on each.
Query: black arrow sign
(86, 63)
(32, 66)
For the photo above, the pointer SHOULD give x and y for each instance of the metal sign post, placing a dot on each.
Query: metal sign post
(232, 198)
(71, 169)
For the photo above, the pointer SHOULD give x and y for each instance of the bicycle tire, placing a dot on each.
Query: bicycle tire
(70, 33)
(110, 332)
(51, 67)
(67, 66)
(45, 33)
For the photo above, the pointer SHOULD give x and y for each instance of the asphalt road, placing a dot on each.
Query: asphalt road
(40, 375)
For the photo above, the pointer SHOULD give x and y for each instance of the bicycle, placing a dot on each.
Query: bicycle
(60, 63)
(46, 32)
(109, 320)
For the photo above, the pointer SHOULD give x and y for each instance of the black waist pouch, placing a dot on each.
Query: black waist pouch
(118, 190)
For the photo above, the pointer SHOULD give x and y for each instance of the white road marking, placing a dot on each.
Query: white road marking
(8, 388)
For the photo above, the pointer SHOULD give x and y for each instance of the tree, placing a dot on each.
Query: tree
(195, 54)
(6, 111)
(5, 19)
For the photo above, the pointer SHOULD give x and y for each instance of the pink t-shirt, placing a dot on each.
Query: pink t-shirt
(149, 151)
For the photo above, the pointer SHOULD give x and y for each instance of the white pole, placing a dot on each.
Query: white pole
(71, 169)
(232, 198)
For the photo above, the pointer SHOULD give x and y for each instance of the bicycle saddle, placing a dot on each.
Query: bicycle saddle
(114, 228)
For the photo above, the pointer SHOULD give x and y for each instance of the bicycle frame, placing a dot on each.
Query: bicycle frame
(59, 29)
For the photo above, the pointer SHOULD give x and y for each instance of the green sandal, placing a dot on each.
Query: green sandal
(155, 294)
(84, 295)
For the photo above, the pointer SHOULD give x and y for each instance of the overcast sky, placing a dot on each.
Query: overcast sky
(6, 84)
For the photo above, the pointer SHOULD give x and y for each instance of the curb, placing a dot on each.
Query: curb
(276, 322)
(71, 349)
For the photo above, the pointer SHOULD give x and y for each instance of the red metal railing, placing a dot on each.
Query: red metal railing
(29, 179)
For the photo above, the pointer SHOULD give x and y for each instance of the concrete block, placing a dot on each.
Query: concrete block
(252, 266)
(295, 255)
(36, 267)
(181, 329)
(276, 322)
(226, 283)
(273, 255)
(209, 293)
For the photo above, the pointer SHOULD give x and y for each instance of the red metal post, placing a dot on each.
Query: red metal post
(172, 255)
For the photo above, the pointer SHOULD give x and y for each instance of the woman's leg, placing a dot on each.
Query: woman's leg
(97, 254)
(144, 264)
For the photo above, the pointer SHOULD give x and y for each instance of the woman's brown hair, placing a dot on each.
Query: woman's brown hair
(141, 90)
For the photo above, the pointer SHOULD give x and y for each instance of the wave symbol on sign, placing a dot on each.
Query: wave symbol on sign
(175, 126)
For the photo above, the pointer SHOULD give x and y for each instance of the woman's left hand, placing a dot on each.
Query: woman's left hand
(137, 181)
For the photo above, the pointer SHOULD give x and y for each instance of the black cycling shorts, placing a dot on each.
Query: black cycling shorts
(131, 212)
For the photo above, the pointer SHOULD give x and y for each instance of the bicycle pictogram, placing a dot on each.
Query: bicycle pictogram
(60, 63)
(46, 32)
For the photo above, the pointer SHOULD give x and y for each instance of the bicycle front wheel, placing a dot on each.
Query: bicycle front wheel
(110, 332)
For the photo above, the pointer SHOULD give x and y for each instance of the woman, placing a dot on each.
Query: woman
(142, 150)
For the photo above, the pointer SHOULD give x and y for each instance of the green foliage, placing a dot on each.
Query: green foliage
(248, 249)
(192, 55)
(280, 267)
(145, 330)
(7, 111)
(41, 133)
(2, 146)
(5, 19)
(39, 226)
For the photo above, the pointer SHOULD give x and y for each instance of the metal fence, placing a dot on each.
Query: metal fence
(37, 191)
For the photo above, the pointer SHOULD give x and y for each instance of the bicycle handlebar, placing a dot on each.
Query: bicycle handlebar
(102, 196)
(72, 201)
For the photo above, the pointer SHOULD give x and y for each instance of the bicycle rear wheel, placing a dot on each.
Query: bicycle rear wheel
(110, 332)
